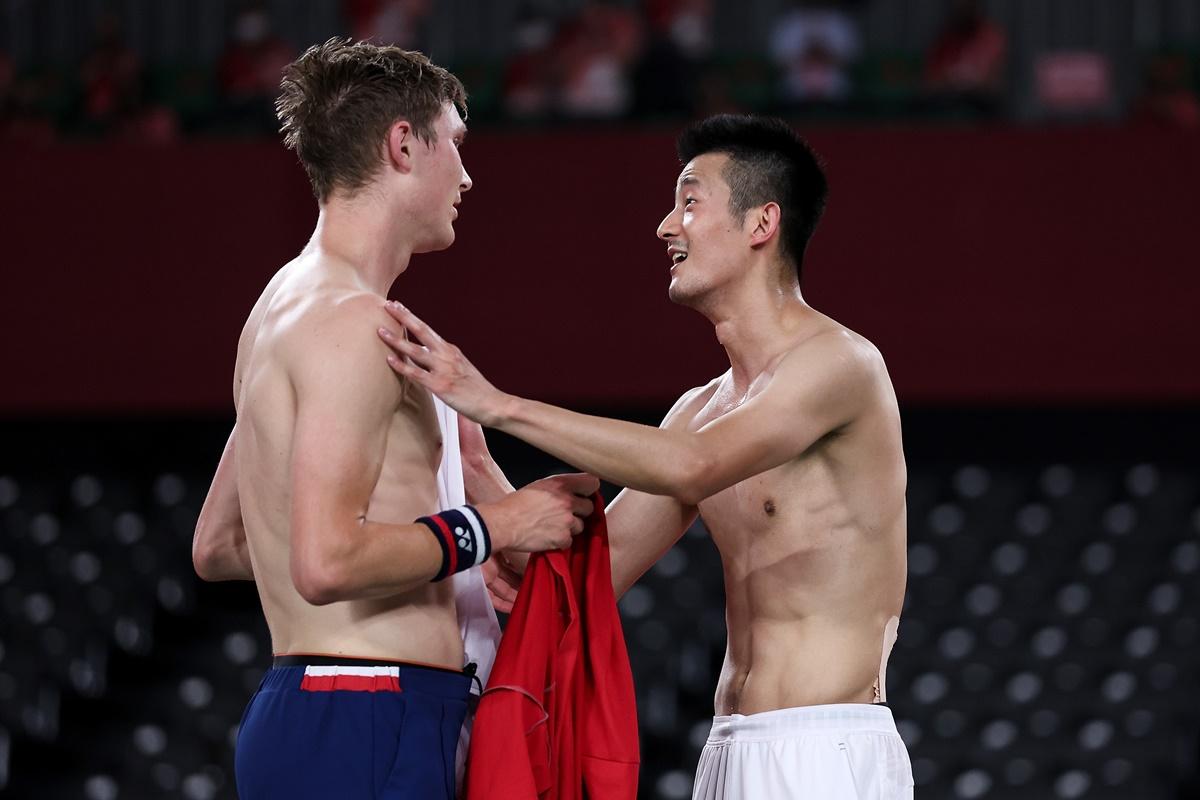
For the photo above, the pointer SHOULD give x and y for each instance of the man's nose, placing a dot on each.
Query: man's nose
(667, 229)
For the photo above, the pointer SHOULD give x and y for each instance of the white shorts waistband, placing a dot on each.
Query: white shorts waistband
(790, 722)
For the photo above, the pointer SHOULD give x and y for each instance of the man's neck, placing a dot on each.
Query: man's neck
(755, 323)
(368, 237)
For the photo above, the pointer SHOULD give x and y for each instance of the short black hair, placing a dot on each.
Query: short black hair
(768, 162)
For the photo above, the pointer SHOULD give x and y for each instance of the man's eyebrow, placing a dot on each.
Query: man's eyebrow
(687, 180)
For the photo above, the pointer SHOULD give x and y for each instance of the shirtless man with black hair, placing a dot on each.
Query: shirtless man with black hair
(793, 458)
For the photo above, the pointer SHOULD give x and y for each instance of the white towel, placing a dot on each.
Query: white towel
(476, 618)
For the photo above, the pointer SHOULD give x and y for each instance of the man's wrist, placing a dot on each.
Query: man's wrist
(504, 410)
(498, 531)
(462, 536)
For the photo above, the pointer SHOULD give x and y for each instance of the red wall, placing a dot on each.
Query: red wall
(987, 265)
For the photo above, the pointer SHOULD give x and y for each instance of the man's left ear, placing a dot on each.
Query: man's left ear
(765, 221)
(399, 145)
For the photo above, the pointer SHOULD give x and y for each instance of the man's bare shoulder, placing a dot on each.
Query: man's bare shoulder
(834, 349)
(333, 319)
(329, 343)
(835, 369)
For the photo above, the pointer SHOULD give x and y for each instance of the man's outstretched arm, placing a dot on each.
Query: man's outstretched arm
(641, 527)
(816, 389)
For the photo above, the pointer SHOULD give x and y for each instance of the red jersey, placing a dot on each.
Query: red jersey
(558, 717)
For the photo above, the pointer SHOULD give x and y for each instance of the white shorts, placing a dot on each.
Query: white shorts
(834, 752)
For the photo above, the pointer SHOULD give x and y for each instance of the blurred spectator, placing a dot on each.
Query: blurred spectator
(668, 79)
(529, 77)
(25, 118)
(113, 83)
(1168, 97)
(966, 62)
(814, 44)
(251, 68)
(595, 52)
(20, 116)
(398, 22)
(111, 77)
(588, 60)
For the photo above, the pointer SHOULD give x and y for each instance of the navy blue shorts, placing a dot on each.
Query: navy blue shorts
(348, 728)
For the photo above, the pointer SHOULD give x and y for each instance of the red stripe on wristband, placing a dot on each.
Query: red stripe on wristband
(451, 547)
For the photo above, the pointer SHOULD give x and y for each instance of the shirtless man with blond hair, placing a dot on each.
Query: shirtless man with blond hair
(327, 493)
(793, 459)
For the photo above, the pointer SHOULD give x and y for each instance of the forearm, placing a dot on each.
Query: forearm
(374, 560)
(219, 548)
(641, 528)
(648, 459)
(485, 482)
(223, 556)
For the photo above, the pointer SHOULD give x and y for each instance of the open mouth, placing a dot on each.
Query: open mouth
(678, 257)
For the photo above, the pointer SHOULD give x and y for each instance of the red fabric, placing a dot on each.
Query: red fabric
(558, 718)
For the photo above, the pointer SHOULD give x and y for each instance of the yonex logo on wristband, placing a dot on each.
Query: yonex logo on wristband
(462, 536)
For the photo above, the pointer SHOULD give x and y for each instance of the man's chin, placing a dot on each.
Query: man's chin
(434, 244)
(679, 295)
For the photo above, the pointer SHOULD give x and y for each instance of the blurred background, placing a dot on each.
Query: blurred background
(1012, 221)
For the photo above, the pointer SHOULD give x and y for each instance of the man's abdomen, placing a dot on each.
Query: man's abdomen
(787, 664)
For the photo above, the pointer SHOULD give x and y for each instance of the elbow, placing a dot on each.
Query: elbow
(318, 583)
(219, 553)
(690, 482)
(318, 588)
(319, 568)
(205, 566)
(206, 556)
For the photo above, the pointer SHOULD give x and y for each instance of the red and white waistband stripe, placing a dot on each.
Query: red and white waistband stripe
(351, 679)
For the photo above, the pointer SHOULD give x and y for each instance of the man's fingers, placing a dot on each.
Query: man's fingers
(576, 526)
(400, 342)
(502, 605)
(500, 601)
(502, 589)
(399, 365)
(580, 483)
(505, 591)
(388, 335)
(414, 323)
(416, 352)
(581, 506)
(407, 370)
(499, 584)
